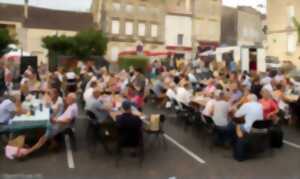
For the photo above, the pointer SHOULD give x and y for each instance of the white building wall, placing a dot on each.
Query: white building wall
(175, 25)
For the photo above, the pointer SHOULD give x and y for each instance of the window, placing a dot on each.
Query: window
(154, 30)
(128, 28)
(116, 6)
(180, 39)
(129, 8)
(115, 27)
(142, 29)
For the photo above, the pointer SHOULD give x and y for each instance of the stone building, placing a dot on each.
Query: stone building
(206, 24)
(242, 26)
(31, 24)
(184, 27)
(131, 23)
(282, 35)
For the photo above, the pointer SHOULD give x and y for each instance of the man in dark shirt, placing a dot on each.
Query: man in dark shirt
(2, 79)
(129, 126)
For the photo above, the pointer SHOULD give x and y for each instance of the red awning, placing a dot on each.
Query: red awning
(147, 53)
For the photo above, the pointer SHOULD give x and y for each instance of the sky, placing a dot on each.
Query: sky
(84, 5)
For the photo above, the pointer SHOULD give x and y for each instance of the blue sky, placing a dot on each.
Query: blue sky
(83, 5)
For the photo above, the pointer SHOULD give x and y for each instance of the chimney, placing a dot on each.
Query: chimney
(26, 9)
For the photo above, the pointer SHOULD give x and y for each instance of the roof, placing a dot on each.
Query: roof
(11, 13)
(248, 9)
(42, 18)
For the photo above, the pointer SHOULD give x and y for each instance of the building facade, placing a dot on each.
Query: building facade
(31, 24)
(242, 26)
(131, 23)
(179, 26)
(206, 24)
(282, 34)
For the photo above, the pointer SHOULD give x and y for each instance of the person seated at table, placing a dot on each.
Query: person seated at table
(128, 121)
(3, 86)
(220, 110)
(210, 88)
(281, 100)
(55, 102)
(270, 107)
(138, 79)
(95, 105)
(9, 107)
(88, 93)
(59, 124)
(171, 90)
(270, 86)
(183, 95)
(256, 87)
(251, 111)
(208, 109)
(244, 98)
(138, 100)
(235, 93)
(158, 86)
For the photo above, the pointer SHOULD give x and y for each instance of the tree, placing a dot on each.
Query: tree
(62, 45)
(5, 40)
(297, 25)
(83, 45)
(90, 43)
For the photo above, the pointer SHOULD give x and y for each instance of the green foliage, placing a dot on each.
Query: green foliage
(297, 25)
(90, 43)
(5, 40)
(59, 44)
(83, 45)
(139, 62)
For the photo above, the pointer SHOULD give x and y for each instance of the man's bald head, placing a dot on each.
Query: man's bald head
(71, 98)
(252, 98)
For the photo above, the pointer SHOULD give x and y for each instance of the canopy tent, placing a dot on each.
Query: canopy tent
(15, 53)
(208, 53)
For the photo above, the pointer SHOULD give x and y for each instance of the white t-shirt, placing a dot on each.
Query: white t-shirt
(220, 113)
(183, 95)
(171, 94)
(252, 111)
(209, 107)
(88, 94)
(58, 105)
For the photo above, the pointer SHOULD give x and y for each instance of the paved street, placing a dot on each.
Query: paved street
(187, 156)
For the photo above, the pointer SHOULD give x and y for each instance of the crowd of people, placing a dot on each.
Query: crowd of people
(227, 94)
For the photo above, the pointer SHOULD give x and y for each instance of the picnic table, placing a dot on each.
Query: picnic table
(40, 119)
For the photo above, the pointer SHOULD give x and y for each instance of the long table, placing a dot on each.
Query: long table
(41, 119)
